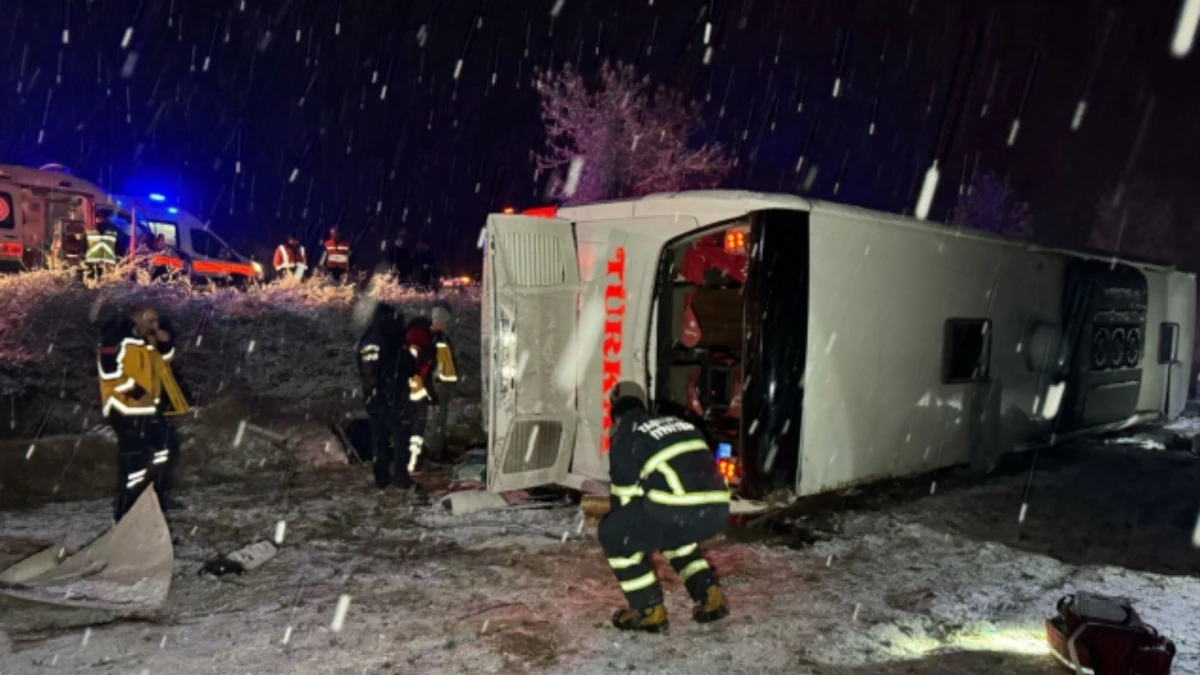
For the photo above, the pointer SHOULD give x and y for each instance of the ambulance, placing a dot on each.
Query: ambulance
(191, 247)
(45, 214)
(820, 346)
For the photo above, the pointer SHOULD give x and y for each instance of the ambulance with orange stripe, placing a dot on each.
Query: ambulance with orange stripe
(190, 246)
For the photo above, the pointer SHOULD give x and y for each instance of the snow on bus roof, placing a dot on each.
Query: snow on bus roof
(713, 206)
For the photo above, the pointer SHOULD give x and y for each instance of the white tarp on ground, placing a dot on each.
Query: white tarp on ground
(128, 567)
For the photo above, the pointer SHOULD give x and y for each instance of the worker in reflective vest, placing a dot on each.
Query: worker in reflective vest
(101, 253)
(335, 259)
(668, 496)
(445, 376)
(290, 259)
(138, 393)
(418, 340)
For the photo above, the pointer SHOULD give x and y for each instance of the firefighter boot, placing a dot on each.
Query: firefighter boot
(649, 620)
(713, 607)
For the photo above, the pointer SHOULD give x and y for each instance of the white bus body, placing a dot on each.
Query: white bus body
(867, 345)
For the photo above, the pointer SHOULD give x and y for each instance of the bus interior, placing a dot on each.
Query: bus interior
(700, 353)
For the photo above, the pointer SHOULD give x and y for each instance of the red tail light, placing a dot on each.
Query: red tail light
(729, 469)
(12, 248)
(541, 212)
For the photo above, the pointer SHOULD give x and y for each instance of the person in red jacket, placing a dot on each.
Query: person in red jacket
(335, 259)
(419, 343)
(290, 259)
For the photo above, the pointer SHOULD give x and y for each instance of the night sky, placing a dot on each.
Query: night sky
(294, 92)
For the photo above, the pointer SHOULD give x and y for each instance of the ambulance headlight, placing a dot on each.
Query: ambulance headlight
(258, 269)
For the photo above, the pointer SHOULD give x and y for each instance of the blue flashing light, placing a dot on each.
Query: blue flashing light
(156, 197)
(172, 210)
(724, 450)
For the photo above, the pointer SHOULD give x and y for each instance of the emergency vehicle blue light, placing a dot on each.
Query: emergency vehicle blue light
(724, 450)
(156, 197)
(172, 209)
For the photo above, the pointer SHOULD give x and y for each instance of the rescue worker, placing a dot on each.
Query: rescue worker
(290, 259)
(401, 260)
(425, 273)
(138, 395)
(385, 368)
(667, 496)
(101, 257)
(445, 375)
(335, 259)
(418, 341)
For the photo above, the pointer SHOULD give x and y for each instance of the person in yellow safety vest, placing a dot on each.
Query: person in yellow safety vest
(445, 376)
(290, 259)
(335, 259)
(668, 496)
(101, 256)
(138, 394)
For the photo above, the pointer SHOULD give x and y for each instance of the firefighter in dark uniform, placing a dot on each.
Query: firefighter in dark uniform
(667, 496)
(385, 368)
(138, 395)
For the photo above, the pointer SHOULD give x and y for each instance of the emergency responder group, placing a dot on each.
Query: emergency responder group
(667, 495)
(418, 270)
(404, 369)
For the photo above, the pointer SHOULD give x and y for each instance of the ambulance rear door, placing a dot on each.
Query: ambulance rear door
(531, 291)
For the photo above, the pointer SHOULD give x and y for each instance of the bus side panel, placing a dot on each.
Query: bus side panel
(618, 261)
(877, 403)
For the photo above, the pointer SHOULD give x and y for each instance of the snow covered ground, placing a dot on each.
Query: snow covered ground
(890, 580)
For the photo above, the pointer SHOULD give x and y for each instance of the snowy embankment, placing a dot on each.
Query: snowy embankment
(280, 356)
(889, 582)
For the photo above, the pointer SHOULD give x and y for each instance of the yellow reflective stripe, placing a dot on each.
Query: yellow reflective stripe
(625, 563)
(680, 552)
(644, 581)
(673, 481)
(626, 490)
(671, 452)
(625, 500)
(689, 499)
(692, 568)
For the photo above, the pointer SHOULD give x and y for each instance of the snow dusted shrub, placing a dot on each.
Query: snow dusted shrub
(988, 204)
(621, 138)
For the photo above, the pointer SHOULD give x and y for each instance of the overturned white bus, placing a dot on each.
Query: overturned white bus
(819, 345)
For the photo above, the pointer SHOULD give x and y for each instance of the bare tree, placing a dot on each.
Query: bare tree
(988, 204)
(1137, 220)
(620, 139)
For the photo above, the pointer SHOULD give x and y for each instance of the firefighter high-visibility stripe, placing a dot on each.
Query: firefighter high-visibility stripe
(626, 563)
(169, 355)
(680, 552)
(132, 479)
(688, 499)
(161, 457)
(695, 566)
(626, 490)
(673, 481)
(626, 493)
(646, 580)
(113, 403)
(447, 378)
(670, 452)
(126, 386)
(120, 360)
